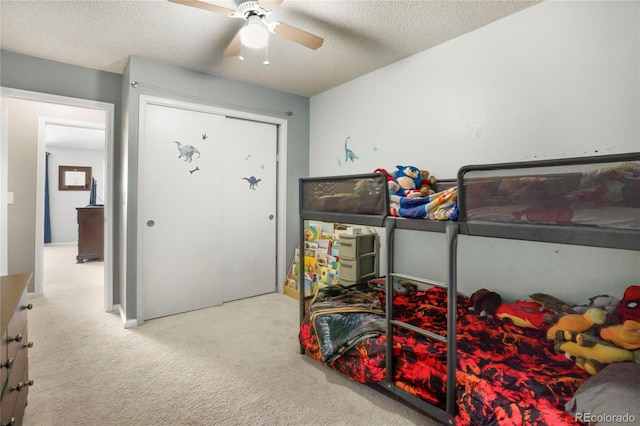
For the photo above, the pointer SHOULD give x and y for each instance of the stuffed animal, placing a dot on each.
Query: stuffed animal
(625, 335)
(592, 354)
(551, 303)
(523, 313)
(485, 302)
(388, 176)
(604, 302)
(629, 306)
(570, 325)
(408, 180)
(425, 184)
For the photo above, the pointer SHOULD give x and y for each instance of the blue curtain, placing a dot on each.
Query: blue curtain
(47, 216)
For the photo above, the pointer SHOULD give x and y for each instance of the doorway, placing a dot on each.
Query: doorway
(55, 110)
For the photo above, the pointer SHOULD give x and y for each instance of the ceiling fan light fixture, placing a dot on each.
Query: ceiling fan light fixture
(254, 35)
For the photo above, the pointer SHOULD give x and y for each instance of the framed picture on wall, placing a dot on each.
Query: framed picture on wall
(74, 178)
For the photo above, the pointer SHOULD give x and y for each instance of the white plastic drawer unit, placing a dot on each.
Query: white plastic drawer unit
(352, 246)
(357, 269)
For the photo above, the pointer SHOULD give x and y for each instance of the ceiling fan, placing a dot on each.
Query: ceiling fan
(255, 33)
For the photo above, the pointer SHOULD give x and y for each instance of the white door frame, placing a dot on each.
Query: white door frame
(43, 121)
(281, 191)
(108, 188)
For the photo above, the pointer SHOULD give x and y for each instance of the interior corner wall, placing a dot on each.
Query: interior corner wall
(34, 74)
(558, 79)
(145, 77)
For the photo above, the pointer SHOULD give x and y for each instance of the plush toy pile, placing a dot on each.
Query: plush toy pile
(604, 331)
(411, 195)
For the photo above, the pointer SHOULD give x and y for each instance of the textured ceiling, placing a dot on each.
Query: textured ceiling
(360, 36)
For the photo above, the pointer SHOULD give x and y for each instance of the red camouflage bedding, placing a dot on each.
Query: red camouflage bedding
(506, 375)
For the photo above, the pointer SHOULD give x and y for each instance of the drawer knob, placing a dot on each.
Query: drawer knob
(7, 364)
(21, 385)
(11, 422)
(18, 338)
(28, 345)
(29, 306)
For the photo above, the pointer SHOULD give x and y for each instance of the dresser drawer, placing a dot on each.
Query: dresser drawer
(16, 330)
(4, 356)
(14, 401)
(14, 348)
(7, 408)
(13, 339)
(14, 398)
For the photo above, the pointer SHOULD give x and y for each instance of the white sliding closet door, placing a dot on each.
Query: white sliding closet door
(206, 235)
(249, 213)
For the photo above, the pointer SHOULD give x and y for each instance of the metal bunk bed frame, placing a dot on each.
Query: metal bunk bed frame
(382, 220)
(627, 239)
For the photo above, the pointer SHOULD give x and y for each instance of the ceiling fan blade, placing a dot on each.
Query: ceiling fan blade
(269, 4)
(296, 35)
(235, 47)
(206, 6)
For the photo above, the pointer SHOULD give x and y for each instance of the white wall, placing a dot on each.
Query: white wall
(559, 79)
(64, 223)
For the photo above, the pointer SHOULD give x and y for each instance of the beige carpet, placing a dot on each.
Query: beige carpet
(237, 364)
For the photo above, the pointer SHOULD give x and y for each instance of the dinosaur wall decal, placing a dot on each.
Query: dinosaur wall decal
(253, 182)
(186, 151)
(349, 154)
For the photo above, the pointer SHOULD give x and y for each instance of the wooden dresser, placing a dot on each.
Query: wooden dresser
(90, 233)
(14, 356)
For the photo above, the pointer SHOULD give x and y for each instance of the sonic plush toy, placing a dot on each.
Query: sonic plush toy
(407, 179)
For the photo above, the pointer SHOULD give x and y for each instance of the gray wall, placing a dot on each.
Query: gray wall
(171, 82)
(558, 79)
(39, 75)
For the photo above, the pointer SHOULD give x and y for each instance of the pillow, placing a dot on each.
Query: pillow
(609, 397)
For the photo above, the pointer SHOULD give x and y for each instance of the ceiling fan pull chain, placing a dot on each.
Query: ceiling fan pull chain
(266, 55)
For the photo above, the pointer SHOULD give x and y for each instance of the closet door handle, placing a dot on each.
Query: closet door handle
(18, 338)
(7, 364)
(29, 306)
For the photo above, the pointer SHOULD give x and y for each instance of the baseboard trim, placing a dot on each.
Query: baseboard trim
(132, 323)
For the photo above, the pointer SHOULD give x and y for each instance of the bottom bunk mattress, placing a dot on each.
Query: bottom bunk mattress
(505, 374)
